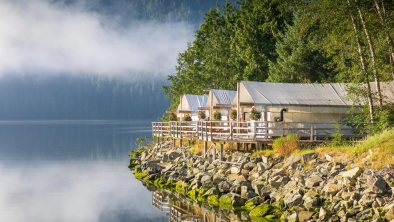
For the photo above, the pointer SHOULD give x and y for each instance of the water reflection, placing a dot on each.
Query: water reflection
(71, 171)
(178, 209)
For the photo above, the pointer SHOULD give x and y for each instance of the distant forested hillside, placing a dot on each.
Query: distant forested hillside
(75, 97)
(64, 96)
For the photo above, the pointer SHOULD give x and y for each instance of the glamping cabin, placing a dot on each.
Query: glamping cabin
(293, 102)
(190, 105)
(220, 101)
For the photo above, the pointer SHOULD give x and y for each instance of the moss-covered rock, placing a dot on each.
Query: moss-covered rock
(213, 200)
(225, 202)
(263, 212)
(181, 187)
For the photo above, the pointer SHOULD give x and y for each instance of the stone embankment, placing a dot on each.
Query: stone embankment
(308, 187)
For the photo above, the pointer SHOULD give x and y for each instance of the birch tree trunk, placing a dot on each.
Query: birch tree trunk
(363, 65)
(382, 16)
(372, 53)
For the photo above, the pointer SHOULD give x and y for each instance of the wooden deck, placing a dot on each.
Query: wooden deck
(250, 131)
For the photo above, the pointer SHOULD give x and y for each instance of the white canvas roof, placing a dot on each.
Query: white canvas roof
(221, 97)
(192, 103)
(387, 89)
(311, 94)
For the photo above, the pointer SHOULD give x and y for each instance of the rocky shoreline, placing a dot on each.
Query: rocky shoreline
(307, 187)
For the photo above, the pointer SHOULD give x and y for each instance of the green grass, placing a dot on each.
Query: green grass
(380, 149)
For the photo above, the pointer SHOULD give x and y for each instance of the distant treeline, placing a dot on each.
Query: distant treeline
(75, 97)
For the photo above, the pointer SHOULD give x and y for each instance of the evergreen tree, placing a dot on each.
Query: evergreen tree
(258, 27)
(297, 60)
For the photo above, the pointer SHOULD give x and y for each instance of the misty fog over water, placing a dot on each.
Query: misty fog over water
(79, 82)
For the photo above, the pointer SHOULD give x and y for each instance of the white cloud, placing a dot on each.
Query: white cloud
(47, 37)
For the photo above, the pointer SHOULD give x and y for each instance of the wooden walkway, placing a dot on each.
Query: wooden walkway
(248, 132)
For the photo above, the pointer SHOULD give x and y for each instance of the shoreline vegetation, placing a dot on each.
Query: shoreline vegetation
(337, 181)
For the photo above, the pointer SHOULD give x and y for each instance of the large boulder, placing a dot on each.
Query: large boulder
(224, 187)
(378, 186)
(313, 181)
(352, 174)
(207, 181)
(390, 212)
(292, 161)
(291, 200)
(171, 155)
(279, 181)
(332, 188)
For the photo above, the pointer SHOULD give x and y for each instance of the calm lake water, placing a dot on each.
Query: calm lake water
(72, 171)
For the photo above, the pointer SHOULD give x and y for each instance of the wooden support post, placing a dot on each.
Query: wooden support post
(231, 131)
(189, 143)
(206, 131)
(174, 142)
(211, 131)
(214, 152)
(312, 132)
(180, 142)
(205, 148)
(238, 146)
(221, 152)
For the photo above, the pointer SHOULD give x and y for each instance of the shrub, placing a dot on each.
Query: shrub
(187, 118)
(201, 115)
(217, 116)
(337, 138)
(233, 114)
(360, 120)
(284, 146)
(254, 114)
(172, 117)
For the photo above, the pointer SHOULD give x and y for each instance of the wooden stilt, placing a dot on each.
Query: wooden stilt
(205, 148)
(221, 152)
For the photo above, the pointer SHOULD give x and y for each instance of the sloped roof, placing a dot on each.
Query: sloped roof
(224, 97)
(387, 89)
(195, 101)
(312, 94)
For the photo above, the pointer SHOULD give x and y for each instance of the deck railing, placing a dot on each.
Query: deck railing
(247, 131)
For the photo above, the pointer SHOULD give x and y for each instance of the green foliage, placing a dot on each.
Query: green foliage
(213, 200)
(336, 137)
(359, 119)
(187, 117)
(284, 146)
(233, 115)
(172, 117)
(201, 115)
(298, 59)
(217, 115)
(254, 114)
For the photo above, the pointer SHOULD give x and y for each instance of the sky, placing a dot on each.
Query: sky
(51, 37)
